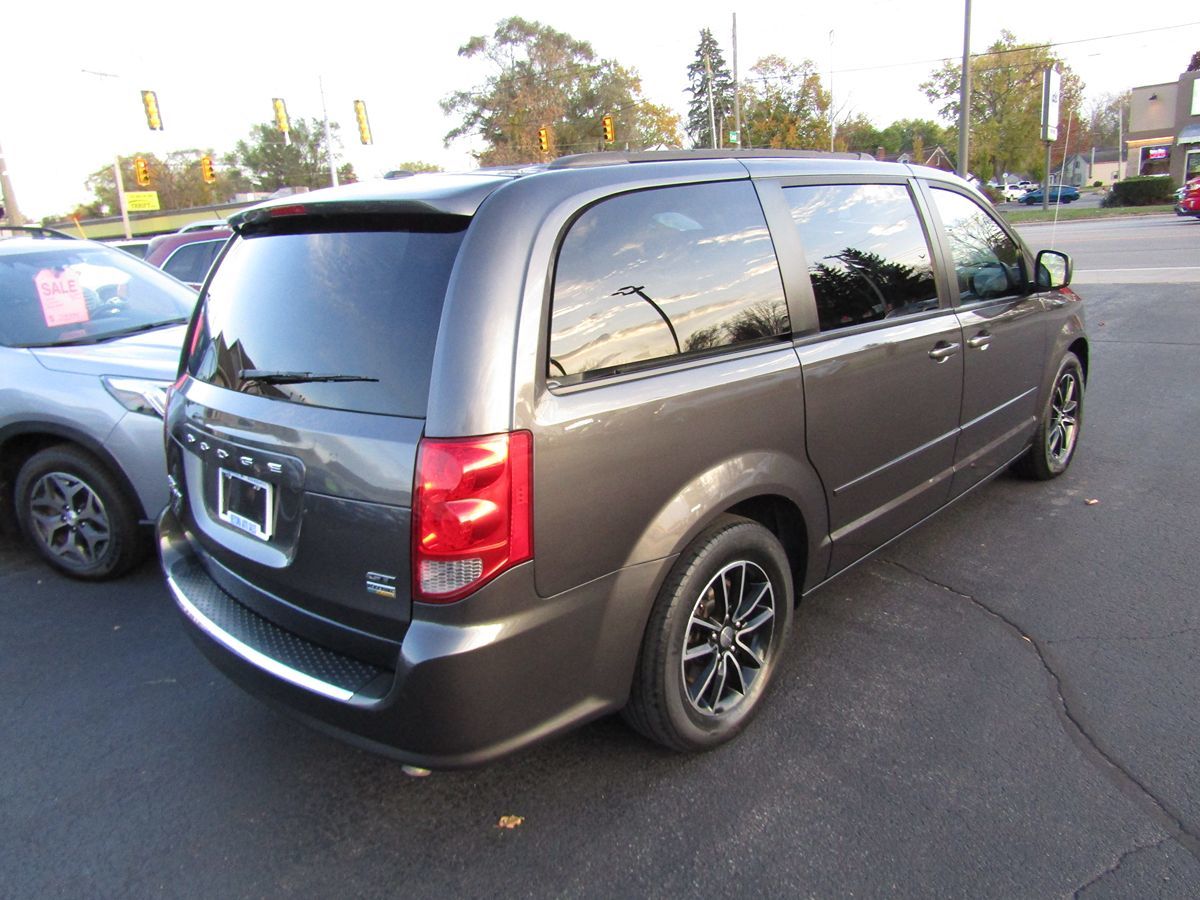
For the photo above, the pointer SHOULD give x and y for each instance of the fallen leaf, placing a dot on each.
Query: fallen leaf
(1091, 502)
(510, 821)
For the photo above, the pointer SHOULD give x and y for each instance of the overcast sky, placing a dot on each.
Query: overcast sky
(216, 66)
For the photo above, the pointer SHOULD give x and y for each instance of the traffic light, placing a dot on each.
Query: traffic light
(610, 130)
(544, 139)
(206, 170)
(153, 117)
(364, 126)
(141, 170)
(281, 116)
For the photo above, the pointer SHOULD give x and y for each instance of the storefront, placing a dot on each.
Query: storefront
(1188, 144)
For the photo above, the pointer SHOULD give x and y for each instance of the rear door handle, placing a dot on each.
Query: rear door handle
(981, 341)
(942, 351)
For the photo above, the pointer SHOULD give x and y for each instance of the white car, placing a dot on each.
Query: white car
(1012, 191)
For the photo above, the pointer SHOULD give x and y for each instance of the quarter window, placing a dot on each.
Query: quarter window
(868, 257)
(661, 274)
(987, 261)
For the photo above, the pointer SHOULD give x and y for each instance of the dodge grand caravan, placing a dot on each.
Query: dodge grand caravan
(459, 462)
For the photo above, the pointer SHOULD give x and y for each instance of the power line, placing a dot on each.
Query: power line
(1103, 37)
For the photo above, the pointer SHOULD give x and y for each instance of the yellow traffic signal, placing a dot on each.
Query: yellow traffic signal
(364, 125)
(281, 116)
(544, 139)
(141, 170)
(153, 117)
(610, 130)
(206, 170)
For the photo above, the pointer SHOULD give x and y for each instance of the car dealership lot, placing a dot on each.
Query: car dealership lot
(1003, 703)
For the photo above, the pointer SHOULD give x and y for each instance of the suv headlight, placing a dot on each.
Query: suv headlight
(138, 395)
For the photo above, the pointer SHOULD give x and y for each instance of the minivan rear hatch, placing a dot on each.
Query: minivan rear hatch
(308, 365)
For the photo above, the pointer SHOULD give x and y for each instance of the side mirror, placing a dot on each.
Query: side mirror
(1053, 269)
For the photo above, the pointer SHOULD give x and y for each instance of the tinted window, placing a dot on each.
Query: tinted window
(664, 273)
(986, 260)
(67, 292)
(190, 262)
(867, 254)
(363, 305)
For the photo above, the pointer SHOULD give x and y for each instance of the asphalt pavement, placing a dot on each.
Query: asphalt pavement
(1003, 703)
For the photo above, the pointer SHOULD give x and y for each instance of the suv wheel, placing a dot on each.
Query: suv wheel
(1057, 435)
(714, 639)
(76, 516)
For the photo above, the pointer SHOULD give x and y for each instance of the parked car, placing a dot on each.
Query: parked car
(134, 246)
(1013, 191)
(89, 341)
(202, 225)
(461, 461)
(187, 255)
(1189, 201)
(1064, 193)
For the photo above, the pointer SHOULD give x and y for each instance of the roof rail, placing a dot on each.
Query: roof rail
(617, 157)
(36, 231)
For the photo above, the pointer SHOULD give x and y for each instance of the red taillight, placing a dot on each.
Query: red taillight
(472, 512)
(295, 209)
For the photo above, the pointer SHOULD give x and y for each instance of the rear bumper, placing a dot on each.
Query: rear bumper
(472, 681)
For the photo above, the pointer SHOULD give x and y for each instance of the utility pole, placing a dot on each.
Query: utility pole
(333, 175)
(10, 198)
(121, 196)
(737, 103)
(964, 98)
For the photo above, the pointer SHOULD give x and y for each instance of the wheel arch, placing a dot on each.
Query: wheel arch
(21, 441)
(780, 492)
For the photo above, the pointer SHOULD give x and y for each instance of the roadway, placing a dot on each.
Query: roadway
(1004, 703)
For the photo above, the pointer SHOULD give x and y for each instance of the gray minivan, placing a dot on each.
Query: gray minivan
(458, 462)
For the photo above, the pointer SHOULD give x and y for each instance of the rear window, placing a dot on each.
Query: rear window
(344, 319)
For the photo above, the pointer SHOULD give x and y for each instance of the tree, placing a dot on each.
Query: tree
(857, 134)
(266, 163)
(1006, 103)
(1194, 64)
(708, 66)
(546, 78)
(176, 179)
(417, 166)
(785, 106)
(1100, 126)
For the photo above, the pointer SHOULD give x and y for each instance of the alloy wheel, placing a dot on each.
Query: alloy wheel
(728, 638)
(69, 519)
(1064, 418)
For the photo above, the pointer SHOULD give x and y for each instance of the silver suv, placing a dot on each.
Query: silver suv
(89, 342)
(459, 462)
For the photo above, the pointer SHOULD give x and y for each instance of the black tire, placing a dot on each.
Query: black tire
(1057, 434)
(668, 702)
(76, 515)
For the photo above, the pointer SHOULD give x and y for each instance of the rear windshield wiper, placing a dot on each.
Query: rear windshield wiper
(266, 376)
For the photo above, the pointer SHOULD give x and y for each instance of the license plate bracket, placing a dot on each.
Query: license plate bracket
(246, 503)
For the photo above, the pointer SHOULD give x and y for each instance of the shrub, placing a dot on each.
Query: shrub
(1097, 184)
(1142, 190)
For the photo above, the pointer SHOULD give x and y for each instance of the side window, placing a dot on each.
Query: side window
(986, 260)
(190, 262)
(867, 253)
(664, 273)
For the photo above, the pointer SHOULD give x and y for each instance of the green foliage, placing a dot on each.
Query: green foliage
(266, 163)
(1006, 102)
(547, 78)
(709, 59)
(1142, 190)
(417, 167)
(785, 107)
(176, 179)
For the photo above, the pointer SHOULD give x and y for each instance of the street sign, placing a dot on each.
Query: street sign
(141, 201)
(733, 137)
(1051, 94)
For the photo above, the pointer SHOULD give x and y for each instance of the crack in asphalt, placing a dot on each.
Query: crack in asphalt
(1116, 867)
(1106, 763)
(1131, 637)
